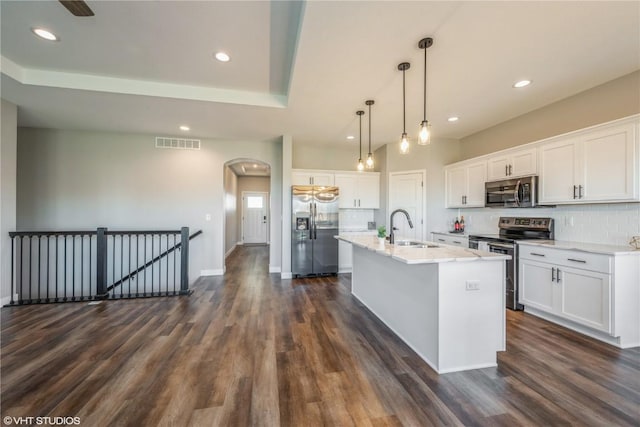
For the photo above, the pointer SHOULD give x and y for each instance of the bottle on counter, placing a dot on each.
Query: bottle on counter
(456, 225)
(462, 223)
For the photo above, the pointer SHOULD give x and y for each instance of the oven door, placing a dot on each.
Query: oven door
(510, 283)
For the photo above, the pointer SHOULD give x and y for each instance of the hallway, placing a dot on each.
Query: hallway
(250, 349)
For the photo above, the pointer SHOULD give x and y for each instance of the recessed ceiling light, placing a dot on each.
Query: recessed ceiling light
(222, 57)
(522, 83)
(350, 137)
(45, 34)
(453, 119)
(185, 128)
(255, 166)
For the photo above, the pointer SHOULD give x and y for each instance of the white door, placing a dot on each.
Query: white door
(255, 221)
(406, 192)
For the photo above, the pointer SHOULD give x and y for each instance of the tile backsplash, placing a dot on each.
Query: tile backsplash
(355, 219)
(611, 224)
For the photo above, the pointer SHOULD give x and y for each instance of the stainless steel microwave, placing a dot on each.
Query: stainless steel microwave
(512, 193)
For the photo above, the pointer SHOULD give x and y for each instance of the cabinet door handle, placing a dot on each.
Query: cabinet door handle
(579, 191)
(577, 260)
(354, 203)
(510, 172)
(506, 170)
(553, 274)
(575, 188)
(457, 242)
(537, 254)
(358, 202)
(558, 275)
(440, 240)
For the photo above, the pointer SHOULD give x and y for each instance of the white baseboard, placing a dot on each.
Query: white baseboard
(233, 248)
(218, 272)
(274, 269)
(286, 275)
(6, 300)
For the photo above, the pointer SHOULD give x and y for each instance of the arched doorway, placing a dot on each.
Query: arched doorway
(247, 203)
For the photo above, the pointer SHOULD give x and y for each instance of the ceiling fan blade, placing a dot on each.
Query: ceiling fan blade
(77, 7)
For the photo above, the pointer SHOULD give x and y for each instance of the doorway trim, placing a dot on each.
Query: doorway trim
(423, 173)
(242, 214)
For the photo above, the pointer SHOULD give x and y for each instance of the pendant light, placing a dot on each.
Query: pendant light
(425, 126)
(404, 140)
(360, 163)
(370, 102)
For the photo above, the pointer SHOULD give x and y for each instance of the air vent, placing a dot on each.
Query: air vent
(177, 143)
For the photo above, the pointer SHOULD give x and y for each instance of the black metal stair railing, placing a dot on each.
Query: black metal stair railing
(68, 266)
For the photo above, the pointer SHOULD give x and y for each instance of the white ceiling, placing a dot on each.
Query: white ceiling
(303, 69)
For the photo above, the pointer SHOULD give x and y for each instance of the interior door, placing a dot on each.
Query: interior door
(406, 192)
(255, 222)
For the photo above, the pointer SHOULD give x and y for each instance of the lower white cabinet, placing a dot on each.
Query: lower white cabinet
(450, 239)
(596, 294)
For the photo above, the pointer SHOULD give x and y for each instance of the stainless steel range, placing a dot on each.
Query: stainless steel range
(513, 229)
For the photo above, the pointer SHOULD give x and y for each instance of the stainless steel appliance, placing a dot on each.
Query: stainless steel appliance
(512, 193)
(513, 229)
(314, 222)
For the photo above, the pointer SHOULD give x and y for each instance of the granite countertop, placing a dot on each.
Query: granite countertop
(595, 248)
(413, 255)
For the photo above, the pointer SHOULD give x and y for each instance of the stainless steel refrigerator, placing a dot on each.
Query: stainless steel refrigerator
(314, 222)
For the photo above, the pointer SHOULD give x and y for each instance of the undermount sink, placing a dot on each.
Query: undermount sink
(414, 244)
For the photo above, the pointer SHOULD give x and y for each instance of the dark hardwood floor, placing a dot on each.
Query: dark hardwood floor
(250, 349)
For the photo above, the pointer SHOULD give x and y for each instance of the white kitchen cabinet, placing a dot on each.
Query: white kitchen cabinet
(312, 177)
(512, 164)
(600, 164)
(596, 294)
(465, 184)
(450, 239)
(360, 190)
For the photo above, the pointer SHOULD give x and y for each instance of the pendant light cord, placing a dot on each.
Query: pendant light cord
(360, 115)
(425, 85)
(404, 120)
(369, 129)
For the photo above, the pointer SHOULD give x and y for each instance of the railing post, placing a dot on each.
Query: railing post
(101, 263)
(184, 260)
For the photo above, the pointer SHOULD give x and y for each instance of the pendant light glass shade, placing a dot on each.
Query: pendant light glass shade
(360, 162)
(370, 162)
(425, 133)
(424, 136)
(404, 144)
(404, 140)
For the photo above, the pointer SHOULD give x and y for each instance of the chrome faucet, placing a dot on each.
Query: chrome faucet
(391, 238)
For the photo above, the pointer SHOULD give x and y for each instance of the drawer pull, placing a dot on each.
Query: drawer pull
(537, 254)
(440, 240)
(459, 243)
(577, 260)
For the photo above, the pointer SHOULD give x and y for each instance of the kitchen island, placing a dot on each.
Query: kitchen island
(447, 303)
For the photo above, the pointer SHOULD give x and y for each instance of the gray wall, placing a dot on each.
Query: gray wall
(612, 100)
(380, 165)
(433, 158)
(8, 141)
(81, 179)
(330, 158)
(230, 210)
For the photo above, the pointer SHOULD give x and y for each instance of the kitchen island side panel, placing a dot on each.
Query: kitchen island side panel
(472, 321)
(404, 297)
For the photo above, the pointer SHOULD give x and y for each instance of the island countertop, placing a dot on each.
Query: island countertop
(415, 255)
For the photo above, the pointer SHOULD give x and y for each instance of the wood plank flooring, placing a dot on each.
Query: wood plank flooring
(250, 349)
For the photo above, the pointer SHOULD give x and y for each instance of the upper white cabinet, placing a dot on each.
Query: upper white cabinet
(360, 190)
(465, 184)
(513, 164)
(600, 164)
(311, 177)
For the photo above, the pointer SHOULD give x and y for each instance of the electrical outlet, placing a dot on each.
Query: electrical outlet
(473, 285)
(207, 217)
